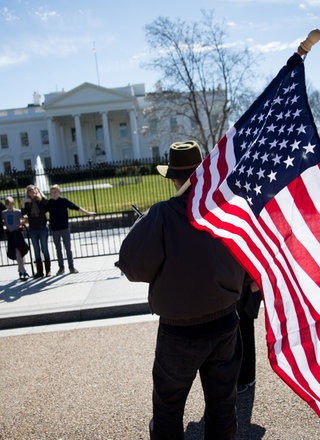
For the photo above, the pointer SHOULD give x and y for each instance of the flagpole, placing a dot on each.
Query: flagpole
(305, 47)
(183, 188)
(96, 61)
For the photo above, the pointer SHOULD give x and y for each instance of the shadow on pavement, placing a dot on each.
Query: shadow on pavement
(194, 430)
(14, 290)
(246, 430)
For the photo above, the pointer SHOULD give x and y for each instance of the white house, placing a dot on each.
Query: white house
(89, 122)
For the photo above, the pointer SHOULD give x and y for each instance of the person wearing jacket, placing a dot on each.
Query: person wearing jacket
(194, 286)
(35, 207)
(59, 219)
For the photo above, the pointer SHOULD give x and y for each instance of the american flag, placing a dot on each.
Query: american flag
(259, 191)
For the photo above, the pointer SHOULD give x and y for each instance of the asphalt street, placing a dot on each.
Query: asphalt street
(76, 361)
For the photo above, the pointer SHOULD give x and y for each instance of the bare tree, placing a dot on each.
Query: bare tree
(203, 79)
(314, 102)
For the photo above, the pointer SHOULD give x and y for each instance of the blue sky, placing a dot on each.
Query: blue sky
(46, 46)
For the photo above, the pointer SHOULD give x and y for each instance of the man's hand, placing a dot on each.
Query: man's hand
(254, 287)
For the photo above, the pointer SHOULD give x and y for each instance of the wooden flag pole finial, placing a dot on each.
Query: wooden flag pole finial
(306, 45)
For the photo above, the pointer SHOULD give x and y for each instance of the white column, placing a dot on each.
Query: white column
(64, 154)
(79, 141)
(134, 134)
(54, 148)
(106, 136)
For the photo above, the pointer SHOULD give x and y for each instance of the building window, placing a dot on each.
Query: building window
(173, 124)
(73, 134)
(155, 153)
(99, 133)
(27, 165)
(76, 159)
(126, 154)
(99, 150)
(153, 126)
(24, 139)
(47, 162)
(44, 137)
(7, 167)
(123, 129)
(4, 141)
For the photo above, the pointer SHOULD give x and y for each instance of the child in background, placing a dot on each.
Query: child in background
(2, 234)
(17, 246)
(58, 209)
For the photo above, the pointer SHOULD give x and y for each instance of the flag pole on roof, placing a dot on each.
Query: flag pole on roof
(304, 47)
(258, 191)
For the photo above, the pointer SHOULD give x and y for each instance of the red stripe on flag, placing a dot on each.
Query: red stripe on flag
(305, 205)
(304, 332)
(222, 164)
(298, 251)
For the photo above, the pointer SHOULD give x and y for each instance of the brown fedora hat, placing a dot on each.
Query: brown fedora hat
(184, 157)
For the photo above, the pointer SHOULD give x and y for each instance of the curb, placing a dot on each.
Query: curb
(67, 316)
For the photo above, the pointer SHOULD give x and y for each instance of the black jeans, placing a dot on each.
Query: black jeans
(214, 349)
(248, 366)
(63, 234)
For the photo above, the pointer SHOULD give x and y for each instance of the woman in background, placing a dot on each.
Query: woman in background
(35, 207)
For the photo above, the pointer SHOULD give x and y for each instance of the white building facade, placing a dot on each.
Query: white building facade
(87, 123)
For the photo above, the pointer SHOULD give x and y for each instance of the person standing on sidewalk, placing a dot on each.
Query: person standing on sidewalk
(248, 310)
(17, 247)
(59, 219)
(194, 286)
(2, 234)
(35, 207)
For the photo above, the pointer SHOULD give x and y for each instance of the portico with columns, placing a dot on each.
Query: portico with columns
(87, 123)
(94, 123)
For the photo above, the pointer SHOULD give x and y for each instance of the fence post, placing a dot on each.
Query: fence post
(14, 176)
(29, 244)
(92, 184)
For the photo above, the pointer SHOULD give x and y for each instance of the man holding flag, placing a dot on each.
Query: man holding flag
(257, 192)
(195, 284)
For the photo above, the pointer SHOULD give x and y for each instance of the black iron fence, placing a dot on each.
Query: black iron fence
(108, 189)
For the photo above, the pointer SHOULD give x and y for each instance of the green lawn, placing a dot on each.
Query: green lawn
(142, 191)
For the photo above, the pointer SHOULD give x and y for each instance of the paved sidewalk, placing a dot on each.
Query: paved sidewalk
(98, 291)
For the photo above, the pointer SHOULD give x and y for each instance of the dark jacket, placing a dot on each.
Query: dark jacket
(249, 303)
(193, 278)
(38, 221)
(58, 210)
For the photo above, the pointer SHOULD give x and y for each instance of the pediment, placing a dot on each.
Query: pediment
(87, 94)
